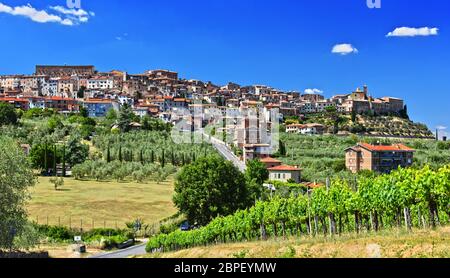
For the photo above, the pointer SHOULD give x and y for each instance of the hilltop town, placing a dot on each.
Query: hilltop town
(156, 92)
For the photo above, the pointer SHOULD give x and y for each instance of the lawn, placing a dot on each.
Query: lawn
(90, 204)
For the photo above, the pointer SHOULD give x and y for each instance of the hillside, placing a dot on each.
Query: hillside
(384, 126)
(388, 244)
(324, 156)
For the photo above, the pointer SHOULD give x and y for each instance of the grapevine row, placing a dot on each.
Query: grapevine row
(409, 197)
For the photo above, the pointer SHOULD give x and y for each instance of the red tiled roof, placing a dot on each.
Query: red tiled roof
(13, 99)
(98, 101)
(392, 148)
(270, 160)
(313, 185)
(284, 168)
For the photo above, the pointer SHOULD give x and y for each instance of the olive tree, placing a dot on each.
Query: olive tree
(16, 176)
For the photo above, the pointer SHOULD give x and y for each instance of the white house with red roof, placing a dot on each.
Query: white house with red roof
(285, 173)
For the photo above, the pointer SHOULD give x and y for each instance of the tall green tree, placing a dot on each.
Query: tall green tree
(55, 170)
(8, 115)
(64, 161)
(255, 175)
(163, 159)
(108, 154)
(76, 151)
(210, 187)
(16, 177)
(120, 154)
(141, 156)
(126, 116)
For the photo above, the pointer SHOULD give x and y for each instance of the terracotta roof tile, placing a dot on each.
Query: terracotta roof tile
(284, 168)
(392, 148)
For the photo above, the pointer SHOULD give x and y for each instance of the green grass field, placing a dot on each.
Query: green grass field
(99, 204)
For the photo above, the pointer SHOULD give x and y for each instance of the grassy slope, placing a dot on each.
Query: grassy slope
(319, 155)
(102, 201)
(392, 244)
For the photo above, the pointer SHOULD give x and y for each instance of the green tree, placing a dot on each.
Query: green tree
(120, 154)
(8, 115)
(282, 149)
(111, 114)
(126, 116)
(77, 152)
(84, 112)
(108, 154)
(163, 159)
(210, 187)
(141, 156)
(16, 177)
(80, 93)
(64, 161)
(42, 157)
(255, 175)
(354, 116)
(55, 170)
(54, 123)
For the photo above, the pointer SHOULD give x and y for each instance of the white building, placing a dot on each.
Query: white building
(100, 83)
(50, 87)
(285, 173)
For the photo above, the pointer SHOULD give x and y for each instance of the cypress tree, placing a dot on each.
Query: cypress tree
(183, 161)
(193, 157)
(163, 159)
(152, 157)
(64, 161)
(141, 157)
(45, 159)
(131, 156)
(54, 161)
(108, 155)
(120, 153)
(173, 158)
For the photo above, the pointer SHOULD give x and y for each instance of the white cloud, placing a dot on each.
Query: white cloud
(413, 32)
(313, 91)
(75, 15)
(31, 13)
(344, 49)
(441, 127)
(68, 17)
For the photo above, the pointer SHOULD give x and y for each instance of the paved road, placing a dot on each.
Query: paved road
(227, 153)
(125, 253)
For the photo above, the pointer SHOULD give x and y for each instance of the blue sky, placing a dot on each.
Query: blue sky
(285, 43)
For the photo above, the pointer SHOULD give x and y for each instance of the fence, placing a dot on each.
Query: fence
(87, 224)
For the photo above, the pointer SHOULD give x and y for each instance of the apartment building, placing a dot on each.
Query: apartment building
(378, 158)
(18, 103)
(99, 107)
(100, 83)
(306, 129)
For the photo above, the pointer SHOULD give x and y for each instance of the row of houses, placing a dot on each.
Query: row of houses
(363, 156)
(67, 81)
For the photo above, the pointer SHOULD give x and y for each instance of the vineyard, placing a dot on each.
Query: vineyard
(405, 198)
(324, 156)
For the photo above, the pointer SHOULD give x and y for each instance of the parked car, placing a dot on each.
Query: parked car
(185, 226)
